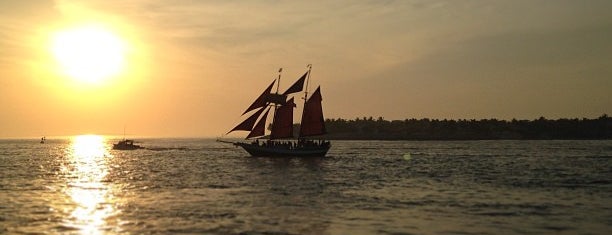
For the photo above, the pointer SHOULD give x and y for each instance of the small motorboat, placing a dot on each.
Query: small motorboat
(126, 144)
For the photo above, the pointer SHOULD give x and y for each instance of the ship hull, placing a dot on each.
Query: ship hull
(275, 151)
(123, 147)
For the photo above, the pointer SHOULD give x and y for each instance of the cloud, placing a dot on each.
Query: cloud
(554, 73)
(20, 23)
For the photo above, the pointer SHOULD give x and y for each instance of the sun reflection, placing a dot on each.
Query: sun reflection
(88, 147)
(86, 185)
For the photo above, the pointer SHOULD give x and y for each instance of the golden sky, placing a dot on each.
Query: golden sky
(190, 68)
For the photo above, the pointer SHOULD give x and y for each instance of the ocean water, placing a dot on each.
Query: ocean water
(198, 186)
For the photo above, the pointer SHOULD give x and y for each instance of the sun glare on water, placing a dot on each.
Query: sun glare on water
(89, 53)
(90, 196)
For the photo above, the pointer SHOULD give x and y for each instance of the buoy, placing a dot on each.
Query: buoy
(407, 157)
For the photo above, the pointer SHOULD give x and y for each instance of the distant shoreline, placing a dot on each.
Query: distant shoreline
(462, 129)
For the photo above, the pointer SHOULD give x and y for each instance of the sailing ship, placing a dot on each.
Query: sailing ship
(280, 142)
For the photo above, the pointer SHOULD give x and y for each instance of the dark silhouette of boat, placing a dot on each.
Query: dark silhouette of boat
(280, 142)
(43, 139)
(126, 144)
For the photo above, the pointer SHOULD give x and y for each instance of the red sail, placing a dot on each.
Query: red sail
(283, 121)
(261, 100)
(312, 118)
(260, 127)
(247, 124)
(297, 86)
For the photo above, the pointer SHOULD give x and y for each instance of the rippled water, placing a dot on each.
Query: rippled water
(81, 186)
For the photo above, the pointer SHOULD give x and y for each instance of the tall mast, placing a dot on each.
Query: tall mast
(307, 80)
(276, 105)
(306, 93)
(279, 76)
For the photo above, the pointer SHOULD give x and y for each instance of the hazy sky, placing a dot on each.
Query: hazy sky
(192, 67)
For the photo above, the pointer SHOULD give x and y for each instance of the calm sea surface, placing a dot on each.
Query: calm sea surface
(81, 186)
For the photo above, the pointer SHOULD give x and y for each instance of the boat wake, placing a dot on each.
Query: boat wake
(167, 149)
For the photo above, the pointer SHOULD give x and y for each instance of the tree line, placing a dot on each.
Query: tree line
(463, 129)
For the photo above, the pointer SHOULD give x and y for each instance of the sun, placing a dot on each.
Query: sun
(89, 53)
